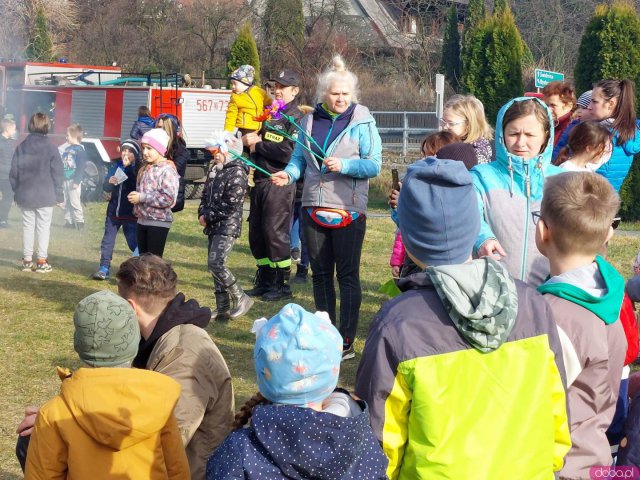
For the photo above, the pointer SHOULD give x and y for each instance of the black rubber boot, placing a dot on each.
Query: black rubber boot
(241, 303)
(264, 279)
(223, 307)
(281, 289)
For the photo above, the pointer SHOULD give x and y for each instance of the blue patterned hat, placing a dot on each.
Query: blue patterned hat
(244, 74)
(297, 357)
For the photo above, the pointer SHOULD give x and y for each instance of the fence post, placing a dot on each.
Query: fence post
(405, 134)
(439, 95)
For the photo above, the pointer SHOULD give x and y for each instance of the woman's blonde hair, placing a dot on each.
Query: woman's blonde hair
(472, 110)
(337, 72)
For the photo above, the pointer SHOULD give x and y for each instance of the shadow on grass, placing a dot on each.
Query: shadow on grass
(64, 294)
(9, 476)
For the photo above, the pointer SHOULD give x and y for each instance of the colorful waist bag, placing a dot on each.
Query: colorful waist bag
(332, 217)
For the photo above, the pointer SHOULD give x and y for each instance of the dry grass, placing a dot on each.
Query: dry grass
(36, 310)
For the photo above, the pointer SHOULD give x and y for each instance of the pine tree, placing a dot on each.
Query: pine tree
(494, 71)
(283, 32)
(475, 14)
(40, 47)
(244, 52)
(610, 49)
(451, 64)
(500, 6)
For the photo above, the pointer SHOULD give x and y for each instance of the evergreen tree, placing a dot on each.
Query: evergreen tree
(500, 6)
(475, 14)
(244, 52)
(610, 46)
(283, 33)
(40, 47)
(451, 64)
(494, 71)
(610, 49)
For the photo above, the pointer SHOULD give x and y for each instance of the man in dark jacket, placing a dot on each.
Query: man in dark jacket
(7, 130)
(271, 207)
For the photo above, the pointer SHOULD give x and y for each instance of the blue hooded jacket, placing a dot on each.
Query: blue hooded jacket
(290, 442)
(509, 189)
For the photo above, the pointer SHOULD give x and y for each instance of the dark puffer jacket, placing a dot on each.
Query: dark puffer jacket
(288, 442)
(222, 199)
(36, 173)
(180, 156)
(119, 206)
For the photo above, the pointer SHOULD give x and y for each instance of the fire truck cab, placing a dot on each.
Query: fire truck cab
(105, 102)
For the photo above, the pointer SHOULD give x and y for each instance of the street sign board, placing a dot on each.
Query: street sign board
(544, 77)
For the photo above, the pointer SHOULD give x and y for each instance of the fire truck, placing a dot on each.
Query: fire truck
(105, 101)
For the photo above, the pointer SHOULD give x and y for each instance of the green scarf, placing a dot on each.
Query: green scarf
(607, 307)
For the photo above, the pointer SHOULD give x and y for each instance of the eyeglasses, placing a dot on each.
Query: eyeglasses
(535, 216)
(444, 124)
(616, 222)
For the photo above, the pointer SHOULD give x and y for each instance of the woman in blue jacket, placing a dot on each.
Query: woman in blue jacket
(347, 151)
(613, 105)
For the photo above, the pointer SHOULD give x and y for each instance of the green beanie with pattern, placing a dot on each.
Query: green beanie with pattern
(106, 330)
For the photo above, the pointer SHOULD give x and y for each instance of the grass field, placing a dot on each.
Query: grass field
(36, 329)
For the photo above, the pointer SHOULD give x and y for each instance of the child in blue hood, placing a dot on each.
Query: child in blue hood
(302, 427)
(510, 188)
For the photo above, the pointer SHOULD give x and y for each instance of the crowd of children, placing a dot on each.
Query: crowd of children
(508, 305)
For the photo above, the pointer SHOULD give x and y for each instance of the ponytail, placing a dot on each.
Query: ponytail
(624, 115)
(243, 416)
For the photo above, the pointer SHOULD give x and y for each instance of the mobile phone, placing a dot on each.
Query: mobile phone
(395, 183)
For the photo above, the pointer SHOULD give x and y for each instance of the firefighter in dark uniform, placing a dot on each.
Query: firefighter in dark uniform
(271, 206)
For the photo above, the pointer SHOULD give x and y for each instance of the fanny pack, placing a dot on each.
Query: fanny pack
(332, 217)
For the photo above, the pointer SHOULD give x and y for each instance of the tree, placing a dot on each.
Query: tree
(475, 15)
(451, 64)
(610, 46)
(244, 52)
(494, 71)
(500, 6)
(40, 47)
(283, 31)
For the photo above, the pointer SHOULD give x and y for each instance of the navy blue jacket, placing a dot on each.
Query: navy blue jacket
(299, 443)
(141, 126)
(327, 128)
(119, 206)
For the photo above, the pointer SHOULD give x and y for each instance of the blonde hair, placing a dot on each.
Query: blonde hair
(578, 208)
(75, 130)
(337, 72)
(472, 110)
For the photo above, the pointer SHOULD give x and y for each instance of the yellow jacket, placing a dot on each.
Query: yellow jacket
(109, 423)
(244, 106)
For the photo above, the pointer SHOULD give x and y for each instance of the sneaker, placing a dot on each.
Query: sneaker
(101, 274)
(28, 266)
(347, 351)
(301, 275)
(68, 225)
(295, 255)
(43, 267)
(80, 225)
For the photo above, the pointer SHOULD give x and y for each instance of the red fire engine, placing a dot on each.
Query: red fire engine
(105, 102)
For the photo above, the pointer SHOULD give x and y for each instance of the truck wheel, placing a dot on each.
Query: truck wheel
(193, 191)
(92, 183)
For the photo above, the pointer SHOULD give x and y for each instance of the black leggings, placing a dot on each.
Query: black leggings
(151, 239)
(336, 250)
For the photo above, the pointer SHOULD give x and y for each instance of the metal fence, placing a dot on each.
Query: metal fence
(402, 132)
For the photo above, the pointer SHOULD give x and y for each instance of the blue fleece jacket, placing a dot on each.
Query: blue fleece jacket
(509, 189)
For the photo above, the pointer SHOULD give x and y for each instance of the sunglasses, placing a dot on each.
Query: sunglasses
(536, 217)
(444, 124)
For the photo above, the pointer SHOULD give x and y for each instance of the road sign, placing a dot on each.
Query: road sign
(544, 77)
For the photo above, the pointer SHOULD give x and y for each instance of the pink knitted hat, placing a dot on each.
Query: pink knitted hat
(157, 139)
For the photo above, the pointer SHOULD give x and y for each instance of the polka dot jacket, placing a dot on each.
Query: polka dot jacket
(288, 442)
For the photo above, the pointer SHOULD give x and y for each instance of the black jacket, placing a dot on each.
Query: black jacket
(180, 156)
(274, 151)
(36, 173)
(222, 199)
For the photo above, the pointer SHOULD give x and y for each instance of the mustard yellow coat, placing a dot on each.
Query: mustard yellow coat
(243, 107)
(109, 423)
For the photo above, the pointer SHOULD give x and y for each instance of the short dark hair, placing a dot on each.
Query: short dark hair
(39, 123)
(143, 111)
(149, 278)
